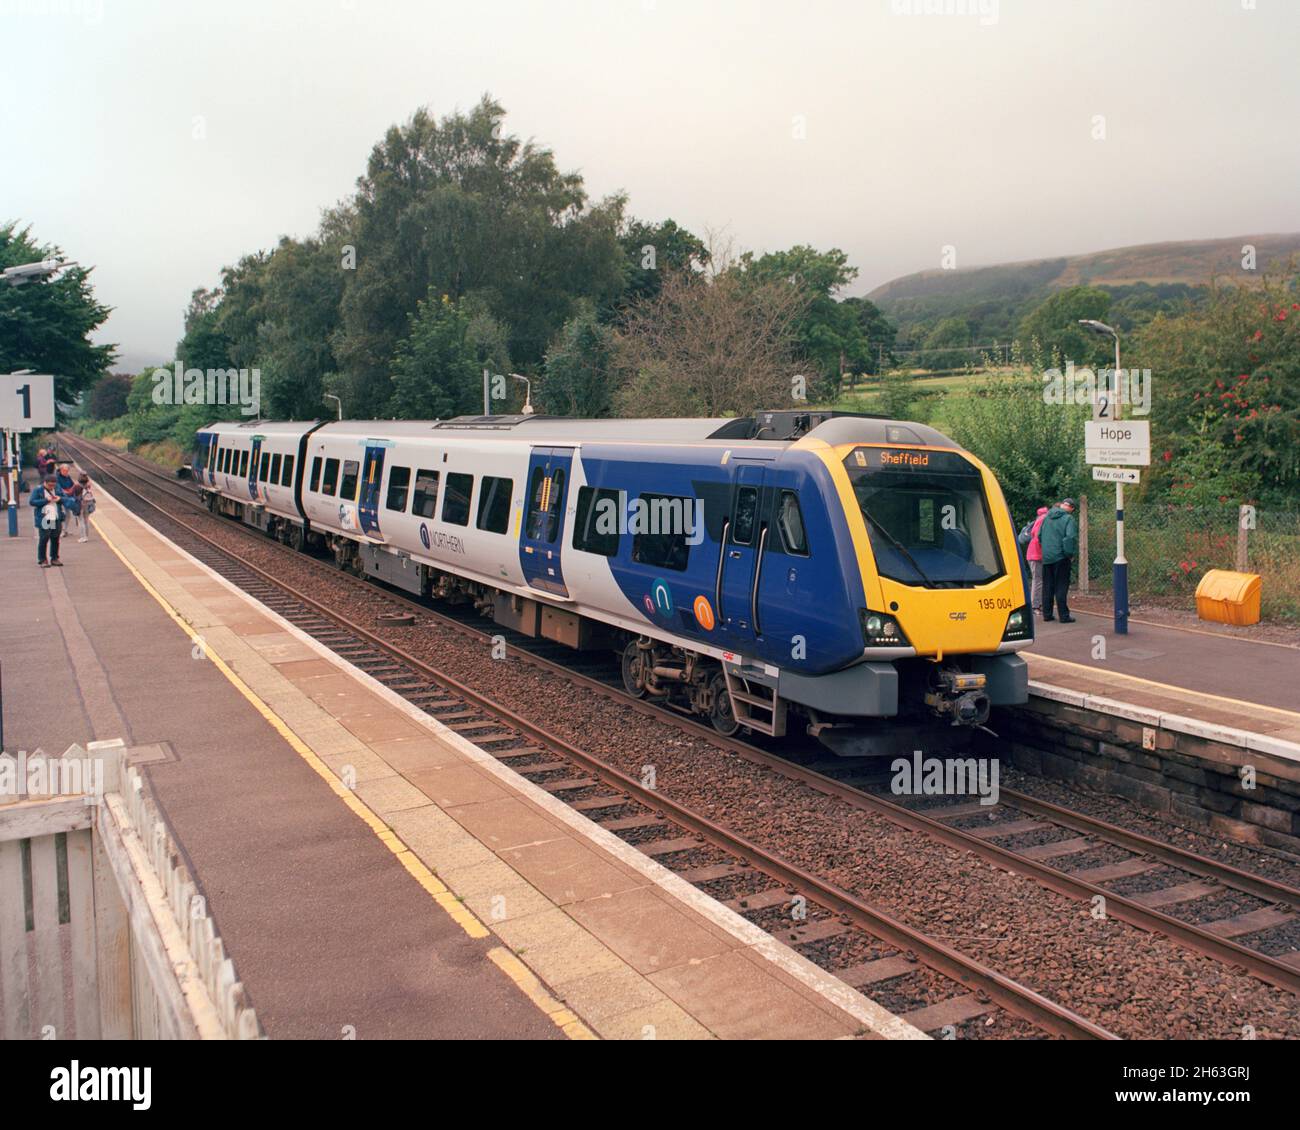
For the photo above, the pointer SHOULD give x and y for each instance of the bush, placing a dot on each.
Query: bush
(1034, 448)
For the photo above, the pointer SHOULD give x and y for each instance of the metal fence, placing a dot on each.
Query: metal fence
(1170, 548)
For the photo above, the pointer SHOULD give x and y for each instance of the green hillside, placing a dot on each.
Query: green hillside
(1142, 279)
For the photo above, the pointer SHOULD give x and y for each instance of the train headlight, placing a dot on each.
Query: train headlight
(879, 630)
(1020, 625)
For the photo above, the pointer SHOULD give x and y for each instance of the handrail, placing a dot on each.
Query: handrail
(758, 573)
(722, 557)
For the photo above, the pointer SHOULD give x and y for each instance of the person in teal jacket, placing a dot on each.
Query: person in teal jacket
(1059, 537)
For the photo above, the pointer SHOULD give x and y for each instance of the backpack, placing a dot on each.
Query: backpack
(87, 501)
(1026, 534)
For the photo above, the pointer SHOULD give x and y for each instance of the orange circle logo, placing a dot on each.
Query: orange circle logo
(704, 613)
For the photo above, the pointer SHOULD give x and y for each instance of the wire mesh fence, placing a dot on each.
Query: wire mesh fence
(1171, 547)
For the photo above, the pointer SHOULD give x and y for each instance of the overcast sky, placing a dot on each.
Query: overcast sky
(863, 125)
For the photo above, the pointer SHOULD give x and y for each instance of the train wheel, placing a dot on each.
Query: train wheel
(295, 538)
(721, 715)
(633, 667)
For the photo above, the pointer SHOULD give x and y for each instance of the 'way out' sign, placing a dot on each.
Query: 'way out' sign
(1123, 442)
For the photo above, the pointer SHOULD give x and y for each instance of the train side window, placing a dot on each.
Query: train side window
(243, 464)
(789, 520)
(348, 488)
(742, 529)
(230, 454)
(331, 480)
(224, 465)
(536, 509)
(595, 525)
(553, 511)
(455, 502)
(667, 515)
(275, 469)
(425, 503)
(214, 453)
(494, 504)
(287, 477)
(399, 486)
(266, 464)
(314, 485)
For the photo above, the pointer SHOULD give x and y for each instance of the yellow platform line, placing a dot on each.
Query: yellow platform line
(1101, 672)
(507, 962)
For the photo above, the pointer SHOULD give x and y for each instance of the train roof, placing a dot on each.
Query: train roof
(780, 428)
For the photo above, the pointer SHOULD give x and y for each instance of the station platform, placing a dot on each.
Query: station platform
(1227, 681)
(441, 896)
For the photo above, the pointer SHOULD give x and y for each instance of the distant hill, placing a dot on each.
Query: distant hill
(1192, 262)
(991, 301)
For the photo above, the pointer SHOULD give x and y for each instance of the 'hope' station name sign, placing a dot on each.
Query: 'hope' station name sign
(1123, 442)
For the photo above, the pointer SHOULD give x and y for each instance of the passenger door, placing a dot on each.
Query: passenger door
(740, 556)
(254, 460)
(541, 531)
(372, 478)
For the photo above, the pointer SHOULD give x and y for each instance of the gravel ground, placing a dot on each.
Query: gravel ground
(1134, 983)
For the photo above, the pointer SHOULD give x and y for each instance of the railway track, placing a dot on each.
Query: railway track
(1017, 815)
(620, 802)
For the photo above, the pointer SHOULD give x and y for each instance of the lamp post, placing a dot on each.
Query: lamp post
(528, 393)
(337, 400)
(1120, 582)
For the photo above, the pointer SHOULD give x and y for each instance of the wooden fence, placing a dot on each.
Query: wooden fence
(89, 872)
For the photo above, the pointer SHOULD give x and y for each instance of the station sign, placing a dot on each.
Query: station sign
(1116, 474)
(1123, 442)
(26, 401)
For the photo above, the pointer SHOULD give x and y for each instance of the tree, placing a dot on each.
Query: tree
(868, 336)
(302, 286)
(1034, 448)
(948, 344)
(827, 332)
(1227, 383)
(45, 324)
(653, 250)
(460, 207)
(578, 368)
(710, 347)
(436, 371)
(108, 396)
(1054, 324)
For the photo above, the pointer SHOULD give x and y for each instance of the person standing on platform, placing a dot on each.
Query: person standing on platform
(48, 501)
(1059, 537)
(1029, 538)
(84, 497)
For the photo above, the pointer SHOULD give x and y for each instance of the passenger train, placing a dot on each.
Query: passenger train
(856, 574)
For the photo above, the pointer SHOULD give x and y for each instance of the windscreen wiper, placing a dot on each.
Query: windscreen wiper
(898, 545)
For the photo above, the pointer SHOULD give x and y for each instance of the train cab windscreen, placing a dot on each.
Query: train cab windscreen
(926, 515)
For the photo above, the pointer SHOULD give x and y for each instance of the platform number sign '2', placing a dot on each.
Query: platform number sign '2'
(26, 401)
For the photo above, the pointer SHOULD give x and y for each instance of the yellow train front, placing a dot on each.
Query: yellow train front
(944, 606)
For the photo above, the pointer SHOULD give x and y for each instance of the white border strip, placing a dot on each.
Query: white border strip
(1211, 731)
(836, 992)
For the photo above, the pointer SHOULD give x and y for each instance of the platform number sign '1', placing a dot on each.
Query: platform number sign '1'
(26, 401)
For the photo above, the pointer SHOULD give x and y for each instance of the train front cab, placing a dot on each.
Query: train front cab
(944, 605)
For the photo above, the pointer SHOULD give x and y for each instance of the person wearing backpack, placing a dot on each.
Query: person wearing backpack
(1029, 538)
(83, 506)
